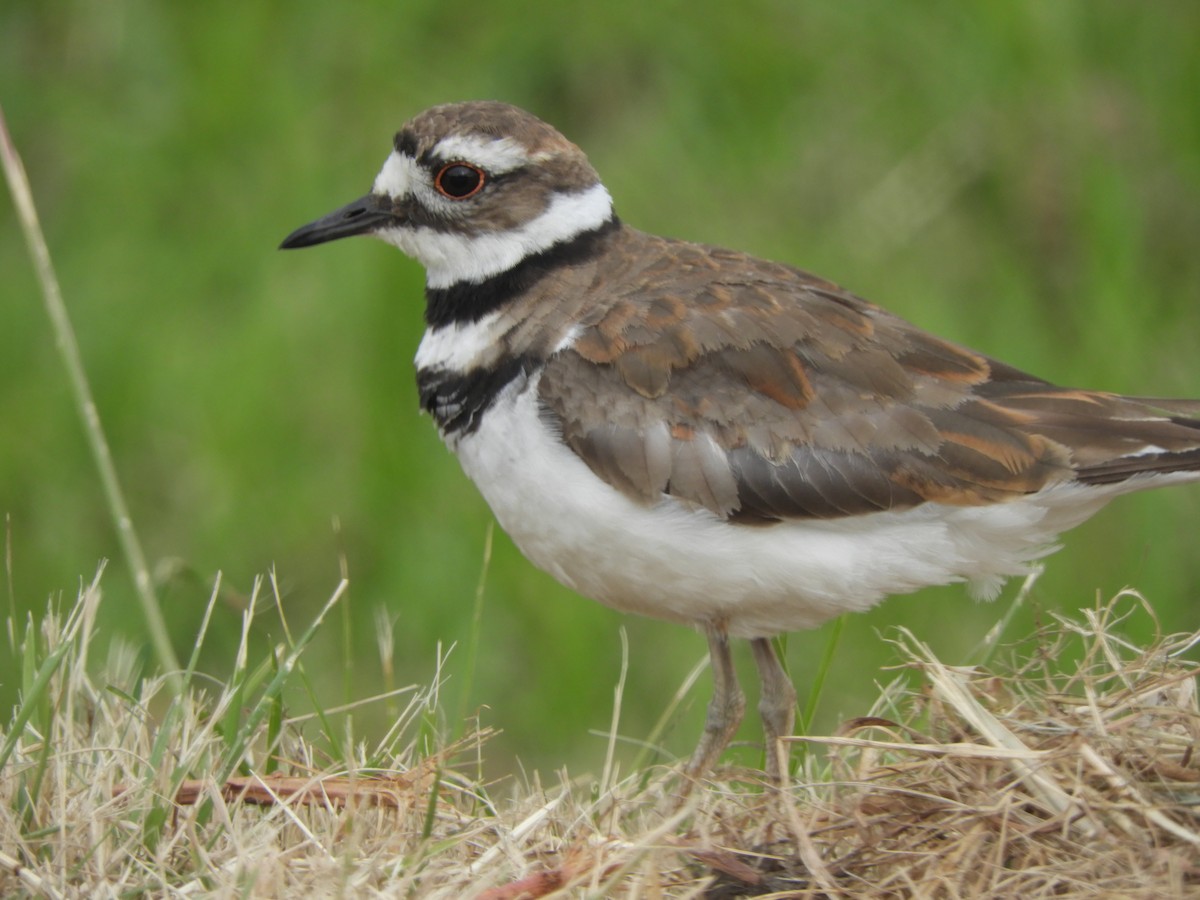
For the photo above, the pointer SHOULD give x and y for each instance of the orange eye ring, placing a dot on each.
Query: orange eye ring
(459, 180)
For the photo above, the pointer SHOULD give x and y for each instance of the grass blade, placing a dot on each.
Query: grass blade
(68, 347)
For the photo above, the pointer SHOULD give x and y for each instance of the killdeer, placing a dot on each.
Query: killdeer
(698, 435)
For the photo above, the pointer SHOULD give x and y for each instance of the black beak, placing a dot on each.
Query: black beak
(362, 216)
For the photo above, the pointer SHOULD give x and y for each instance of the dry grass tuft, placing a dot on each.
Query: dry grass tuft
(1036, 782)
(1047, 779)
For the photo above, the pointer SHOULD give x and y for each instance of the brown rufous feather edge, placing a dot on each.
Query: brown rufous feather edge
(761, 393)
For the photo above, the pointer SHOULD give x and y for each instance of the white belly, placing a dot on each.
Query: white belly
(673, 562)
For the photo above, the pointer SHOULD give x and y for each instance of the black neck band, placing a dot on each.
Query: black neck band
(467, 301)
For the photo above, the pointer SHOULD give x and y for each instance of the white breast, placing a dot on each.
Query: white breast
(673, 562)
(461, 346)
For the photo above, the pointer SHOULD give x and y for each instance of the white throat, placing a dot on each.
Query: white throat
(451, 258)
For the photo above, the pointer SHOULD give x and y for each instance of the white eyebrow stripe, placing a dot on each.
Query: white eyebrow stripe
(397, 177)
(494, 155)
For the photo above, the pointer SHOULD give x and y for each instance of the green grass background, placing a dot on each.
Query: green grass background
(1023, 177)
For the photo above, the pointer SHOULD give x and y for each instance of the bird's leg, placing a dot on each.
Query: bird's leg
(724, 710)
(776, 705)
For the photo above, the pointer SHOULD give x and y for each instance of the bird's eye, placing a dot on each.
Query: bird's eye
(458, 181)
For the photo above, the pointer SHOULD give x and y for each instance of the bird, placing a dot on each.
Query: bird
(698, 435)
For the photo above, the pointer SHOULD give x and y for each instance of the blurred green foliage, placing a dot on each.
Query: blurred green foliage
(1023, 177)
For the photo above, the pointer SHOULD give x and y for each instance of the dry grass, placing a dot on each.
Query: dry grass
(1048, 779)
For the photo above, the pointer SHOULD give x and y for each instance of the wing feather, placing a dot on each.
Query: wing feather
(770, 394)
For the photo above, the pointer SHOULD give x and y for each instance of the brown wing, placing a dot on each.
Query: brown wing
(760, 392)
